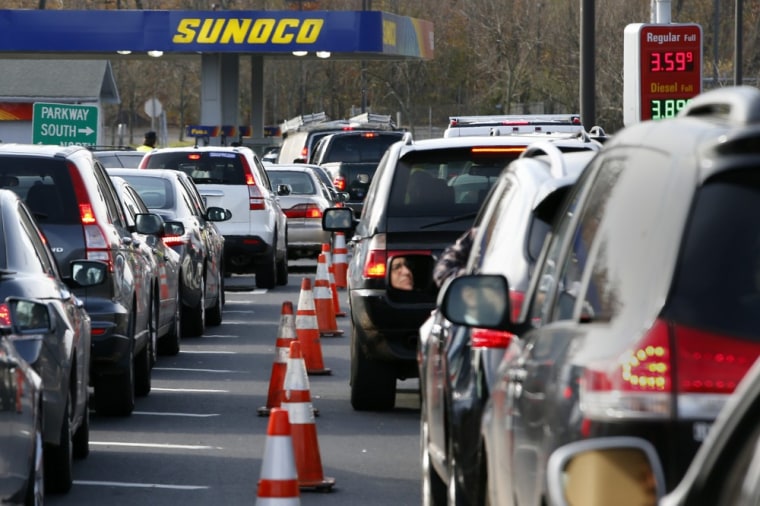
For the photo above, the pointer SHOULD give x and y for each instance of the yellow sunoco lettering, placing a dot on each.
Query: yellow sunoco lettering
(236, 30)
(247, 30)
(280, 37)
(389, 33)
(210, 31)
(261, 31)
(186, 31)
(309, 32)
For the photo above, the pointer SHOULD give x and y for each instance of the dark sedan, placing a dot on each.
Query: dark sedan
(61, 352)
(21, 457)
(172, 195)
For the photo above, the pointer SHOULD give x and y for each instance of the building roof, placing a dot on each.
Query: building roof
(57, 81)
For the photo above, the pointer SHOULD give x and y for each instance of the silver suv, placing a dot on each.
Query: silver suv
(255, 238)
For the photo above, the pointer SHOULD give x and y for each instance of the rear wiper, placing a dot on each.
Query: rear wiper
(6, 272)
(453, 219)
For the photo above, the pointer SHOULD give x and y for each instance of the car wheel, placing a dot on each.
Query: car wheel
(169, 344)
(194, 318)
(143, 370)
(266, 272)
(35, 483)
(373, 383)
(115, 394)
(82, 434)
(154, 321)
(282, 270)
(456, 496)
(214, 313)
(433, 488)
(59, 459)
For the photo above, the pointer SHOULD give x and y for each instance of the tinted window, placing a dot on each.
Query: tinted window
(448, 182)
(717, 285)
(300, 182)
(156, 193)
(205, 168)
(365, 148)
(45, 186)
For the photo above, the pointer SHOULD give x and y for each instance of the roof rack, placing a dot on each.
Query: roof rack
(303, 120)
(368, 117)
(513, 124)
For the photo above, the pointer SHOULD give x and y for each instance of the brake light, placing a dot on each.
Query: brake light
(487, 338)
(497, 149)
(340, 183)
(96, 245)
(194, 156)
(175, 240)
(305, 153)
(516, 301)
(308, 211)
(5, 315)
(369, 134)
(700, 368)
(256, 200)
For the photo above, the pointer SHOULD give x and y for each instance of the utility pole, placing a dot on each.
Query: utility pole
(366, 5)
(587, 83)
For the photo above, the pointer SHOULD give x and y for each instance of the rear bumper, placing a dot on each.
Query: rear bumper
(242, 253)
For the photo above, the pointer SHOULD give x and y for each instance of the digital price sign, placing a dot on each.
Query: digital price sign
(662, 69)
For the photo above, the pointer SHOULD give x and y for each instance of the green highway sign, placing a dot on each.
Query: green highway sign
(65, 124)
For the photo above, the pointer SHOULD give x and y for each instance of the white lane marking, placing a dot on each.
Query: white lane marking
(139, 485)
(190, 390)
(190, 415)
(154, 445)
(230, 294)
(225, 336)
(195, 370)
(247, 311)
(211, 352)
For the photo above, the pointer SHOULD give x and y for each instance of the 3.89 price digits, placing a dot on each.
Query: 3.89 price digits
(671, 61)
(666, 107)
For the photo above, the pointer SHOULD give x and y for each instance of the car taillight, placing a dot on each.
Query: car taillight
(5, 315)
(700, 368)
(487, 338)
(305, 153)
(95, 242)
(340, 183)
(377, 258)
(175, 240)
(516, 301)
(256, 200)
(309, 211)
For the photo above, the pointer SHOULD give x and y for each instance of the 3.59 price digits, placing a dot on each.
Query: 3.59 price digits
(666, 107)
(671, 61)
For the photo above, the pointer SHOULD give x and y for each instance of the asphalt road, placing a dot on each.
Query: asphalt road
(197, 438)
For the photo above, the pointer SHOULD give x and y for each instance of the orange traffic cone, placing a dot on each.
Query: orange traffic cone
(323, 301)
(340, 260)
(296, 398)
(285, 335)
(307, 330)
(331, 272)
(278, 485)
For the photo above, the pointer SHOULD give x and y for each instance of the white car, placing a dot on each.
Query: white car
(256, 237)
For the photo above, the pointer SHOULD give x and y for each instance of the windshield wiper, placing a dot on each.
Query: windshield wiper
(453, 219)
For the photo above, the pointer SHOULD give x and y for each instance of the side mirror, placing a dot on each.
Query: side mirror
(623, 471)
(214, 213)
(343, 196)
(477, 300)
(86, 273)
(149, 224)
(174, 229)
(26, 322)
(338, 219)
(283, 190)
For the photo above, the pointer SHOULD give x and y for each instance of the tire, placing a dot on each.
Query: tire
(115, 394)
(35, 483)
(373, 383)
(266, 272)
(170, 343)
(143, 369)
(81, 438)
(433, 488)
(456, 496)
(214, 313)
(282, 270)
(59, 460)
(194, 318)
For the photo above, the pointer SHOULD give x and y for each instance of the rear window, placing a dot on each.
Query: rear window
(44, 184)
(366, 147)
(209, 167)
(448, 182)
(717, 285)
(156, 193)
(299, 182)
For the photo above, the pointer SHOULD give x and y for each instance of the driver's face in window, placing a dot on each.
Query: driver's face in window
(402, 277)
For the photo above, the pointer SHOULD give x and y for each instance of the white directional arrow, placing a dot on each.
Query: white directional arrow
(86, 131)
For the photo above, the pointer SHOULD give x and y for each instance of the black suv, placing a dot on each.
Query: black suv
(76, 205)
(644, 311)
(424, 195)
(351, 159)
